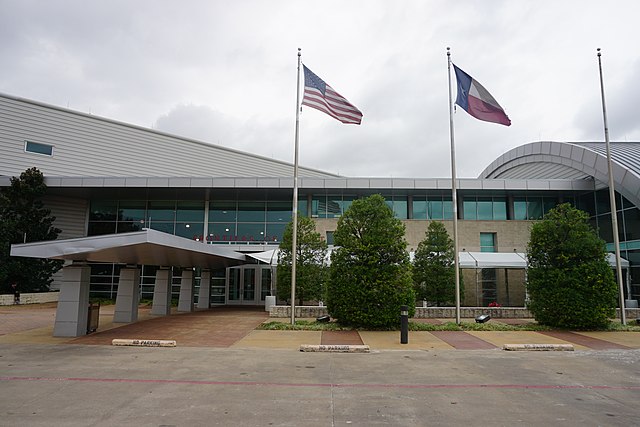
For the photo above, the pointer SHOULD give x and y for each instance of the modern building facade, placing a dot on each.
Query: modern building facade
(107, 178)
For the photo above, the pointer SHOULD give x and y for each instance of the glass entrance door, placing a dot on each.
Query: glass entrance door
(242, 285)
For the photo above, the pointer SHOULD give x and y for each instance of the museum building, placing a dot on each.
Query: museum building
(146, 214)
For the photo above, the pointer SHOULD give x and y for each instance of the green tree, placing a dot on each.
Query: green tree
(310, 262)
(434, 274)
(23, 218)
(570, 283)
(370, 272)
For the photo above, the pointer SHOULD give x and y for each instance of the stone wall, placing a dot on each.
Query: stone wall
(311, 312)
(31, 298)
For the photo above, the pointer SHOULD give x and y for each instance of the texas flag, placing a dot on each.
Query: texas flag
(477, 101)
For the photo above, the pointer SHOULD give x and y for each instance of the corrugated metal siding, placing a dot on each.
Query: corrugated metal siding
(71, 215)
(540, 171)
(90, 146)
(625, 153)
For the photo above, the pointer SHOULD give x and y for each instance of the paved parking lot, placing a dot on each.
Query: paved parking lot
(259, 378)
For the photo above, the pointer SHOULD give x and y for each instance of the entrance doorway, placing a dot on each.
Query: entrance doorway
(249, 284)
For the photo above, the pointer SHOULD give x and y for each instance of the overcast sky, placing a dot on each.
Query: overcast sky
(224, 72)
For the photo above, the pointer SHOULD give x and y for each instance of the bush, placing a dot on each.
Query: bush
(570, 283)
(370, 273)
(434, 272)
(310, 262)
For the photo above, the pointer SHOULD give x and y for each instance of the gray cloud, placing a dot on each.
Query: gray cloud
(224, 72)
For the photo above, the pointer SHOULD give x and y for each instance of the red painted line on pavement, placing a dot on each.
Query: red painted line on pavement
(338, 385)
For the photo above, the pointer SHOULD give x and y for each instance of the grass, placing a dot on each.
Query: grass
(305, 325)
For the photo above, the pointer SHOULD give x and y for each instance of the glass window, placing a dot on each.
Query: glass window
(130, 210)
(188, 211)
(222, 211)
(419, 208)
(318, 206)
(499, 209)
(489, 286)
(520, 209)
(103, 210)
(97, 228)
(602, 201)
(279, 212)
(447, 206)
(586, 203)
(548, 203)
(251, 211)
(190, 230)
(221, 232)
(334, 206)
(346, 202)
(275, 231)
(251, 232)
(330, 237)
(485, 209)
(534, 208)
(161, 211)
(129, 226)
(469, 209)
(400, 207)
(487, 242)
(165, 227)
(303, 206)
(37, 148)
(605, 228)
(632, 224)
(436, 209)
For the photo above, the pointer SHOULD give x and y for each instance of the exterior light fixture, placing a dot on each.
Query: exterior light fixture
(483, 318)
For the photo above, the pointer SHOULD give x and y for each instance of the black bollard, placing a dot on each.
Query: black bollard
(404, 324)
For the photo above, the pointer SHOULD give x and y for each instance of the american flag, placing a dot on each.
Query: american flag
(321, 96)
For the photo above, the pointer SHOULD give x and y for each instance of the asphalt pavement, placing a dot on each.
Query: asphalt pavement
(262, 379)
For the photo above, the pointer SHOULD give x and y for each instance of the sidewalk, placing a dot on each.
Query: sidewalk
(234, 327)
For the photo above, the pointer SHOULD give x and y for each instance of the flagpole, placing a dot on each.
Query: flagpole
(612, 198)
(454, 196)
(294, 239)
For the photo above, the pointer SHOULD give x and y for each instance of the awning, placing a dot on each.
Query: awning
(148, 247)
(492, 260)
(511, 260)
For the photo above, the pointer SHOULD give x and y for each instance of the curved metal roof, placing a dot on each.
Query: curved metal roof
(572, 160)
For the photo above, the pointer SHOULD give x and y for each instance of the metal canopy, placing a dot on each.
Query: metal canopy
(148, 247)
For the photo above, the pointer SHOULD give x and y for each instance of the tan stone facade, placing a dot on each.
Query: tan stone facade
(511, 236)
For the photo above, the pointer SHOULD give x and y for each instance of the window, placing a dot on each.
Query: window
(484, 208)
(487, 242)
(330, 238)
(532, 207)
(37, 148)
(489, 286)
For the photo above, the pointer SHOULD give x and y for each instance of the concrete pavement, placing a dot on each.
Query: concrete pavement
(259, 378)
(234, 327)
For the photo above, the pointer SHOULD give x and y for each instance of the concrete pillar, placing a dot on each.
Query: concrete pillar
(162, 293)
(128, 296)
(185, 303)
(73, 303)
(205, 289)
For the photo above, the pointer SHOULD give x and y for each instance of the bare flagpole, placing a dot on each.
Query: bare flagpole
(454, 197)
(612, 198)
(294, 239)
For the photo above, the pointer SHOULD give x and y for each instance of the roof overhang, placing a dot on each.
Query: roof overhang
(148, 247)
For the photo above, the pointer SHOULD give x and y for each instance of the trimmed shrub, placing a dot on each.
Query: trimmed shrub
(570, 282)
(370, 273)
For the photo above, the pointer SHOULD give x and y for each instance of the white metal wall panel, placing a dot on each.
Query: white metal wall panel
(85, 145)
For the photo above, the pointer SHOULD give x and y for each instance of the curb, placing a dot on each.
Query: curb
(143, 343)
(538, 347)
(335, 348)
